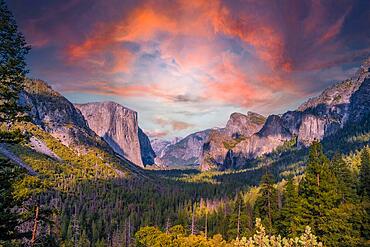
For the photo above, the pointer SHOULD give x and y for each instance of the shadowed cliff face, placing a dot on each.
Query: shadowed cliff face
(217, 148)
(147, 153)
(119, 128)
(57, 116)
(183, 152)
(324, 115)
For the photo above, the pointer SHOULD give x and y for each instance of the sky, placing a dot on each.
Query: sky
(186, 65)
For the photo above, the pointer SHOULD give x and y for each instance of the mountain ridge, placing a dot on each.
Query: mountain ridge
(315, 119)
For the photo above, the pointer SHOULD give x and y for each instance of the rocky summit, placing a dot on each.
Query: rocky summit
(238, 128)
(118, 126)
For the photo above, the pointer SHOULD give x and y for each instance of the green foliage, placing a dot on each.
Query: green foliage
(346, 178)
(266, 205)
(8, 219)
(232, 143)
(11, 136)
(287, 145)
(13, 49)
(152, 236)
(364, 177)
(289, 218)
(261, 239)
(318, 190)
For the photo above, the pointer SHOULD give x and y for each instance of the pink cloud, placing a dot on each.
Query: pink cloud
(191, 33)
(174, 124)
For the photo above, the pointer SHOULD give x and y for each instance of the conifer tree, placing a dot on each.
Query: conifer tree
(318, 190)
(364, 176)
(9, 219)
(266, 204)
(289, 219)
(345, 178)
(13, 49)
(237, 219)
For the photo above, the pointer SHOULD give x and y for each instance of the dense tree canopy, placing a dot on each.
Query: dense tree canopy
(13, 49)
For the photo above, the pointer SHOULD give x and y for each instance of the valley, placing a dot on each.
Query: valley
(87, 174)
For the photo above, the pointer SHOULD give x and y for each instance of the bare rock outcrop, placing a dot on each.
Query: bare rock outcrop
(118, 126)
(216, 150)
(59, 117)
(185, 151)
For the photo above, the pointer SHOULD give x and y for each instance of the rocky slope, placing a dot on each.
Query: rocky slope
(347, 101)
(118, 126)
(57, 116)
(159, 145)
(238, 128)
(184, 152)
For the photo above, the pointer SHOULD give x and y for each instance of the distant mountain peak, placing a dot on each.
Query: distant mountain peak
(245, 125)
(108, 104)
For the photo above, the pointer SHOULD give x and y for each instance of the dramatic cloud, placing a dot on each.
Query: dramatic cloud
(189, 55)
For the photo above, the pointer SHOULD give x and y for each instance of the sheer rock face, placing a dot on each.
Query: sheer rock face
(239, 128)
(214, 150)
(360, 103)
(147, 153)
(57, 116)
(118, 126)
(184, 152)
(359, 107)
(347, 101)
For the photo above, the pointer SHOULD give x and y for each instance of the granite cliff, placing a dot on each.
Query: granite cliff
(216, 149)
(118, 126)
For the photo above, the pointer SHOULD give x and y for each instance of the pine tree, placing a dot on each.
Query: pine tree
(237, 219)
(318, 191)
(13, 49)
(364, 176)
(266, 204)
(9, 219)
(289, 219)
(345, 178)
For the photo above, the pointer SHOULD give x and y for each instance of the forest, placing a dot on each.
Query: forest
(316, 196)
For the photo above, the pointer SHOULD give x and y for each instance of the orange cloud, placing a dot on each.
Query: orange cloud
(180, 19)
(231, 85)
(267, 42)
(181, 22)
(186, 35)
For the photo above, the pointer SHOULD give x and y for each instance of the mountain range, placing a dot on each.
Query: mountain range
(114, 128)
(246, 137)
